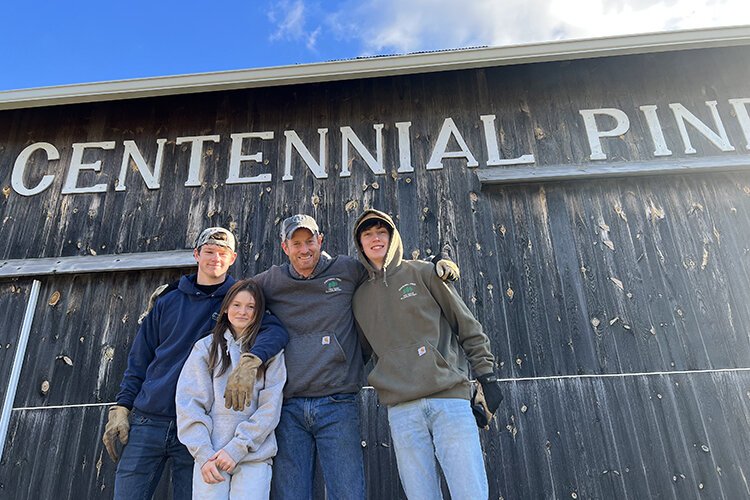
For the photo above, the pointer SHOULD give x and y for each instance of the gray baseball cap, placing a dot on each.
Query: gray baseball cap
(299, 221)
(216, 236)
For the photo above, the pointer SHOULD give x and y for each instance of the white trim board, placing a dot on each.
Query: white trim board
(377, 67)
(16, 268)
(594, 170)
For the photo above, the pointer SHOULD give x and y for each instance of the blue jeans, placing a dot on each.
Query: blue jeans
(151, 442)
(444, 428)
(329, 427)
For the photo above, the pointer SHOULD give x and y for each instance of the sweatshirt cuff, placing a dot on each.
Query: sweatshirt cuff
(260, 355)
(236, 449)
(129, 406)
(204, 453)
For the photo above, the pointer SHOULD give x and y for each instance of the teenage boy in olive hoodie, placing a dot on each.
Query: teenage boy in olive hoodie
(422, 333)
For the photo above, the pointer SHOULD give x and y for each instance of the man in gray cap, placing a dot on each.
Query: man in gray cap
(312, 295)
(143, 418)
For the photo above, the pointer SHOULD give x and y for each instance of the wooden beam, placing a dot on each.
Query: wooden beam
(16, 268)
(509, 175)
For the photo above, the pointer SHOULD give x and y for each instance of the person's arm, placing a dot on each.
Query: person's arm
(193, 401)
(271, 338)
(142, 352)
(252, 433)
(471, 337)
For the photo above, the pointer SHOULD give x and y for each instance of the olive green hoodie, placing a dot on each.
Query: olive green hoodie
(419, 328)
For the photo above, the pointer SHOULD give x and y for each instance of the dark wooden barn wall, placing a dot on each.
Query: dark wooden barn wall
(79, 346)
(609, 285)
(13, 299)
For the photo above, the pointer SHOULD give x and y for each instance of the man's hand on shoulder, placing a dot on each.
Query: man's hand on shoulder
(239, 390)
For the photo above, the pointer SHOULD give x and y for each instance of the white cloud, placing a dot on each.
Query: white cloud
(385, 26)
(290, 18)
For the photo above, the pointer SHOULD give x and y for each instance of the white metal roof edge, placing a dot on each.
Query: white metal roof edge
(349, 69)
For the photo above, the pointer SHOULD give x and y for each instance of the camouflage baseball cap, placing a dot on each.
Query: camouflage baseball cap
(291, 224)
(216, 236)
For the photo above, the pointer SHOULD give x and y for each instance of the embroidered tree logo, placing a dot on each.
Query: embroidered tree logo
(408, 290)
(333, 285)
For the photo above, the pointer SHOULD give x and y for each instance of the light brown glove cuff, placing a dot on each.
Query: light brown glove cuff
(250, 360)
(117, 413)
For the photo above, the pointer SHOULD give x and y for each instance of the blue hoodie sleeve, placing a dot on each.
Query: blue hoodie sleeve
(271, 339)
(141, 354)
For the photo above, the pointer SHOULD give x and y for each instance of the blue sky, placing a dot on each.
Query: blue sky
(55, 43)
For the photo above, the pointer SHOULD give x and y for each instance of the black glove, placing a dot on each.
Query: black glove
(492, 393)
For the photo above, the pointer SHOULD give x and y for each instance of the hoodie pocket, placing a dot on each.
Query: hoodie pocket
(412, 372)
(314, 363)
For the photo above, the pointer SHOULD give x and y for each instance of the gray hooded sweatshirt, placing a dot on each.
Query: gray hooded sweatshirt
(205, 426)
(323, 356)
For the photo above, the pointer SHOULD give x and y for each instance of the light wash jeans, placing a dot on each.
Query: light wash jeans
(444, 428)
(248, 481)
(328, 427)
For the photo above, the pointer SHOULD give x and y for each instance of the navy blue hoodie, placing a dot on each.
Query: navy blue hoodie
(178, 320)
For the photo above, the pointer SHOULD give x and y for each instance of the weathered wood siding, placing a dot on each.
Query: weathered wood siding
(618, 309)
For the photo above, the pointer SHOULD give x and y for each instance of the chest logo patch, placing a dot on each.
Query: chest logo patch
(408, 290)
(332, 285)
(422, 351)
(215, 316)
(326, 340)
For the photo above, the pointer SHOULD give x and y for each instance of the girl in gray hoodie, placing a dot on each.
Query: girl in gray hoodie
(233, 450)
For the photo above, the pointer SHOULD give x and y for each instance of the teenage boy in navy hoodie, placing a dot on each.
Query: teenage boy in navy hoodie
(143, 419)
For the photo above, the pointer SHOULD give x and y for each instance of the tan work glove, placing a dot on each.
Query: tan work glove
(118, 426)
(482, 414)
(239, 391)
(151, 301)
(447, 270)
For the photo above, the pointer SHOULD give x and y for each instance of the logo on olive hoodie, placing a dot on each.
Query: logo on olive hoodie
(333, 285)
(408, 290)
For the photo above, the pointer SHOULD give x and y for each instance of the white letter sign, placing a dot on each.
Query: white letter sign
(622, 124)
(76, 165)
(19, 169)
(236, 158)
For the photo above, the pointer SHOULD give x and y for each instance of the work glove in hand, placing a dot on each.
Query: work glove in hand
(491, 388)
(447, 270)
(239, 391)
(118, 426)
(151, 301)
(479, 407)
